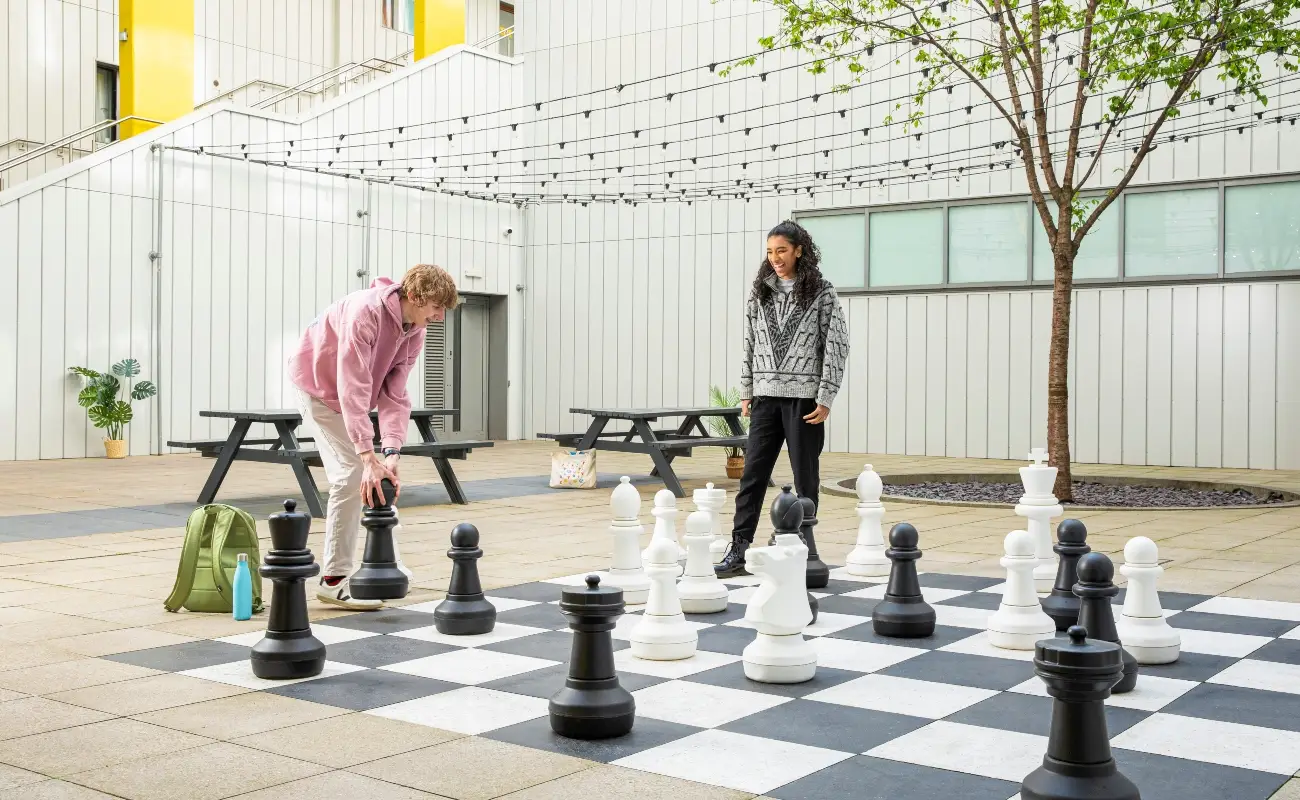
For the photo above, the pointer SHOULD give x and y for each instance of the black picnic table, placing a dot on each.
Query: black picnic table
(661, 445)
(287, 448)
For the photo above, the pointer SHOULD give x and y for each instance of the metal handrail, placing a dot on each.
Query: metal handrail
(306, 85)
(231, 94)
(46, 149)
(499, 36)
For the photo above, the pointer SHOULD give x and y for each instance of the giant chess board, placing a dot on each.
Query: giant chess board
(944, 717)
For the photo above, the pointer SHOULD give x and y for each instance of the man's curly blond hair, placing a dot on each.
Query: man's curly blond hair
(426, 283)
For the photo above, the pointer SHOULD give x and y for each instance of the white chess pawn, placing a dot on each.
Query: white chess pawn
(625, 571)
(1142, 628)
(779, 611)
(662, 633)
(1020, 622)
(1039, 506)
(700, 590)
(868, 557)
(710, 501)
(665, 513)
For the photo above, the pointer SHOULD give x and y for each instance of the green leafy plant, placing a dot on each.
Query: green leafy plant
(1066, 82)
(718, 425)
(101, 396)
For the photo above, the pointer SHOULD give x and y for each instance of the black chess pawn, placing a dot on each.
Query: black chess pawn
(1062, 605)
(1078, 765)
(903, 613)
(592, 704)
(465, 611)
(1095, 589)
(379, 578)
(289, 650)
(787, 517)
(818, 574)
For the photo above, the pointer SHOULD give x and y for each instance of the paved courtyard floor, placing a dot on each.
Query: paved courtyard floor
(88, 550)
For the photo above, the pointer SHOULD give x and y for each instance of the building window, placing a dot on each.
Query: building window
(398, 15)
(906, 247)
(506, 24)
(1171, 233)
(1098, 258)
(105, 101)
(1261, 228)
(842, 240)
(988, 243)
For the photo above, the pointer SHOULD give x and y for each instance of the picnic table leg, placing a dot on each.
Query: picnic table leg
(682, 430)
(445, 471)
(228, 453)
(594, 430)
(663, 462)
(300, 469)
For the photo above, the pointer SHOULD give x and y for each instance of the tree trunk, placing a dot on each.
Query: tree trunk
(1058, 362)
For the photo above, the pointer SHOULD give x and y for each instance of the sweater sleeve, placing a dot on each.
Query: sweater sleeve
(356, 351)
(835, 352)
(394, 400)
(747, 355)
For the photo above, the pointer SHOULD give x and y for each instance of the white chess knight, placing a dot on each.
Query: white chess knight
(700, 590)
(779, 611)
(710, 501)
(665, 513)
(1039, 505)
(625, 571)
(1142, 627)
(868, 557)
(662, 634)
(1020, 621)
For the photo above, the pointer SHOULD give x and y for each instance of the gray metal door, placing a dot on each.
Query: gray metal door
(469, 355)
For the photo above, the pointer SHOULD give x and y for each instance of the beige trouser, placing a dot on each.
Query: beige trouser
(343, 470)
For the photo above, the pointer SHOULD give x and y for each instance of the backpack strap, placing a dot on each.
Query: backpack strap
(221, 531)
(189, 559)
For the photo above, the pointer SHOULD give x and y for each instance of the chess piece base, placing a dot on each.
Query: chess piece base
(286, 655)
(600, 709)
(903, 618)
(867, 562)
(1130, 678)
(461, 615)
(817, 574)
(1012, 634)
(1149, 640)
(1064, 611)
(379, 581)
(780, 659)
(1056, 780)
(702, 595)
(663, 639)
(634, 583)
(1153, 655)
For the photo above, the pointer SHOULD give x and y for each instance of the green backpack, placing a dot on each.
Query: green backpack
(215, 535)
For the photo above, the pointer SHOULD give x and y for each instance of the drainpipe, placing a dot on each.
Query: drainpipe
(363, 214)
(155, 289)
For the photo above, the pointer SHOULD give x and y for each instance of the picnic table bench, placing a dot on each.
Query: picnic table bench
(662, 445)
(287, 448)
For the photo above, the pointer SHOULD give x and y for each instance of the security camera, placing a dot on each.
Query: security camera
(509, 231)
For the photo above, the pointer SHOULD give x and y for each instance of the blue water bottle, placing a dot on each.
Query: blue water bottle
(243, 589)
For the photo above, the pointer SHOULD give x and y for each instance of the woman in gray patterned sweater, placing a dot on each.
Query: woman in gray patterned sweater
(796, 344)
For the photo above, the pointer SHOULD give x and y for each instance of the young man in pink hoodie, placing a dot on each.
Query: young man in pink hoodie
(354, 357)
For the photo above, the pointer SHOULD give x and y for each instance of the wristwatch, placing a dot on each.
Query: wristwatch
(391, 451)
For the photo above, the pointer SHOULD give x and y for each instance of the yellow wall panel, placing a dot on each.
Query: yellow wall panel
(157, 61)
(438, 24)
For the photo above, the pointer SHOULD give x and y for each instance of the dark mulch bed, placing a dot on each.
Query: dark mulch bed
(1086, 494)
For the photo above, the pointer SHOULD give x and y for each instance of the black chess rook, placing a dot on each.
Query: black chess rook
(1095, 590)
(818, 574)
(1078, 765)
(465, 611)
(378, 578)
(787, 515)
(903, 613)
(289, 650)
(1062, 605)
(592, 704)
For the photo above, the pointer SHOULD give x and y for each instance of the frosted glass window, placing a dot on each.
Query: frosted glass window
(398, 15)
(1262, 227)
(1097, 258)
(988, 243)
(841, 238)
(1171, 233)
(907, 247)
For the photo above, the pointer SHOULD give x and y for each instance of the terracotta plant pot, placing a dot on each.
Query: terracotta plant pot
(735, 467)
(115, 448)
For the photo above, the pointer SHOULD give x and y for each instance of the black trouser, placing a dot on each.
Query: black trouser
(774, 421)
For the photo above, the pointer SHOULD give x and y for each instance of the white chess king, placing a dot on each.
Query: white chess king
(779, 611)
(868, 557)
(699, 589)
(1039, 506)
(625, 571)
(1142, 627)
(1020, 622)
(665, 513)
(663, 634)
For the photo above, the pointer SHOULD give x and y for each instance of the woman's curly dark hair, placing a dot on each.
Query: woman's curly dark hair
(807, 277)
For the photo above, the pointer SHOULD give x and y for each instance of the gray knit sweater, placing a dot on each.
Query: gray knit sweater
(791, 351)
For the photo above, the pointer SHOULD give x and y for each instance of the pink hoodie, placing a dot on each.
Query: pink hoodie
(355, 357)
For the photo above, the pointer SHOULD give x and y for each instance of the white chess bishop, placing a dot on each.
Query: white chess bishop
(779, 611)
(662, 634)
(700, 590)
(1142, 627)
(1020, 622)
(1039, 506)
(710, 501)
(868, 557)
(665, 513)
(625, 571)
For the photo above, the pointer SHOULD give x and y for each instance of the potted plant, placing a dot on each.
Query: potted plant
(719, 427)
(104, 406)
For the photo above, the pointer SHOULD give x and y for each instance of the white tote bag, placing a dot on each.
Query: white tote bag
(573, 469)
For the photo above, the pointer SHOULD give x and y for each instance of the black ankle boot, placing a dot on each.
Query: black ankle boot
(732, 564)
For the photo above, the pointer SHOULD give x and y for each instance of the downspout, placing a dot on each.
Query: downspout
(155, 289)
(525, 405)
(363, 214)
